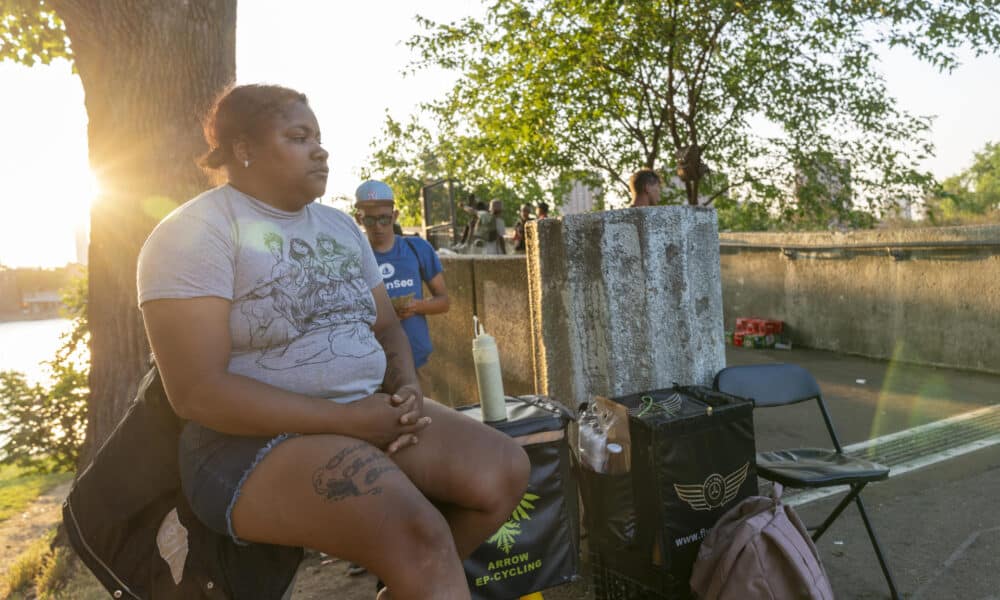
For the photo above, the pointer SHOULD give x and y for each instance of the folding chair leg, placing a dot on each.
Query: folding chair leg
(877, 547)
(855, 490)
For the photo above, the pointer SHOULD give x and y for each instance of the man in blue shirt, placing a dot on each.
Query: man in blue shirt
(406, 264)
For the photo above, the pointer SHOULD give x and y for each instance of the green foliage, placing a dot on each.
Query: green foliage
(971, 196)
(31, 32)
(743, 216)
(43, 428)
(410, 157)
(548, 87)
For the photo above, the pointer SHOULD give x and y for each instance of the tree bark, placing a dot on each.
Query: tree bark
(150, 70)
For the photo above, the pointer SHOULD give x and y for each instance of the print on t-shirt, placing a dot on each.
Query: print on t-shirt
(315, 302)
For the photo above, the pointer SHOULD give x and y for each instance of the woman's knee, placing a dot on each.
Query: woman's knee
(503, 480)
(424, 530)
(518, 470)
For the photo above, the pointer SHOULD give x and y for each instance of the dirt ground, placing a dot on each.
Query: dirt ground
(319, 577)
(17, 533)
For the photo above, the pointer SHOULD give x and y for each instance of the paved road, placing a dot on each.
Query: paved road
(939, 525)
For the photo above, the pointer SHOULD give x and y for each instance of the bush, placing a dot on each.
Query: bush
(43, 428)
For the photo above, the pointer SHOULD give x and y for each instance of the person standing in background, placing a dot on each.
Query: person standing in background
(489, 230)
(524, 216)
(543, 210)
(406, 264)
(645, 187)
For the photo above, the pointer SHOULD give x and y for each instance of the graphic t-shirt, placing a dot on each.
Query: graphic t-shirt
(299, 282)
(401, 269)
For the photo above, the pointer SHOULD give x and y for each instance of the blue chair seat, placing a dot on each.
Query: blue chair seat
(817, 467)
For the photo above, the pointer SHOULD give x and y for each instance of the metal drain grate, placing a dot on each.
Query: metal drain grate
(915, 448)
(911, 444)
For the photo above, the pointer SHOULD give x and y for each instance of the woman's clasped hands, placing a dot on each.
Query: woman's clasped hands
(390, 422)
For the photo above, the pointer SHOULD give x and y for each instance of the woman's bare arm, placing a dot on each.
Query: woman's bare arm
(192, 344)
(438, 303)
(399, 370)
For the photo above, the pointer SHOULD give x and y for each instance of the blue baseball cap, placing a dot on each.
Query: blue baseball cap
(373, 191)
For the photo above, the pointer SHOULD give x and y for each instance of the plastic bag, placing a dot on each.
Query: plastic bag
(602, 442)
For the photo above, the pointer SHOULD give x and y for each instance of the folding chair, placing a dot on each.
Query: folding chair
(784, 384)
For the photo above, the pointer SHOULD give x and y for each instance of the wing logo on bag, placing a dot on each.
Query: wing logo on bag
(715, 491)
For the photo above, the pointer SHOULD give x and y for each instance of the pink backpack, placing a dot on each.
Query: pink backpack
(759, 549)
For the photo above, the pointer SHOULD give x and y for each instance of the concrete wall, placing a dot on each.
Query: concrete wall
(495, 288)
(937, 302)
(929, 296)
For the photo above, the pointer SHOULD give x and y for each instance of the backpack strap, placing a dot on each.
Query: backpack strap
(420, 265)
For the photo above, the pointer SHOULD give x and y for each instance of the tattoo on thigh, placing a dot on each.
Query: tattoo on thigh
(352, 472)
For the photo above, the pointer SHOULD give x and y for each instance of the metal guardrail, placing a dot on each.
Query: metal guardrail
(897, 250)
(882, 246)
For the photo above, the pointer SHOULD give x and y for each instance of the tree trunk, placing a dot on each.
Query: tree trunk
(150, 70)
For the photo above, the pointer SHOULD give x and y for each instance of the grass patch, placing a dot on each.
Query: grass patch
(21, 576)
(20, 487)
(41, 574)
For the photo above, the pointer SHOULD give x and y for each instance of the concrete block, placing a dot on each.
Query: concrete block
(625, 301)
(502, 307)
(452, 378)
(494, 288)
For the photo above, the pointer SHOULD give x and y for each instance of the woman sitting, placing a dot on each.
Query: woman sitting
(276, 339)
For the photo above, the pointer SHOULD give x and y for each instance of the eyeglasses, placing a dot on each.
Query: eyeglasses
(382, 220)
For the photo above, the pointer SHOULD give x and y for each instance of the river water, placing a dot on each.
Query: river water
(25, 344)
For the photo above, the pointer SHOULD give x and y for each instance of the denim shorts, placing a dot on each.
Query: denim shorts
(213, 467)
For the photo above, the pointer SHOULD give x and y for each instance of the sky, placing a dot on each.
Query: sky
(348, 57)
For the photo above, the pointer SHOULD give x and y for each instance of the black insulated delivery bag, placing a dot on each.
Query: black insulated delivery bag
(692, 459)
(118, 505)
(538, 547)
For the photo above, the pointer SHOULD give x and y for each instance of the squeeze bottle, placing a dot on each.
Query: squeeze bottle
(484, 354)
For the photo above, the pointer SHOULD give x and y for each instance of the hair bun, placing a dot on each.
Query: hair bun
(214, 158)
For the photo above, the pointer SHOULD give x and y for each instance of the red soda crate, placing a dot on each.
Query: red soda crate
(772, 326)
(759, 326)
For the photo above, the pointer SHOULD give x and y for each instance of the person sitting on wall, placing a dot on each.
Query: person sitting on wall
(278, 345)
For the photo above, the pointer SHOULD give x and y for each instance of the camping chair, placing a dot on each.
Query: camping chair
(784, 384)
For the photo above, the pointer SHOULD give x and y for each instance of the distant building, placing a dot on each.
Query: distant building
(37, 303)
(10, 295)
(580, 198)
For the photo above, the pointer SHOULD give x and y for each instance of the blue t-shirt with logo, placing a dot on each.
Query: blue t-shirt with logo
(404, 268)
